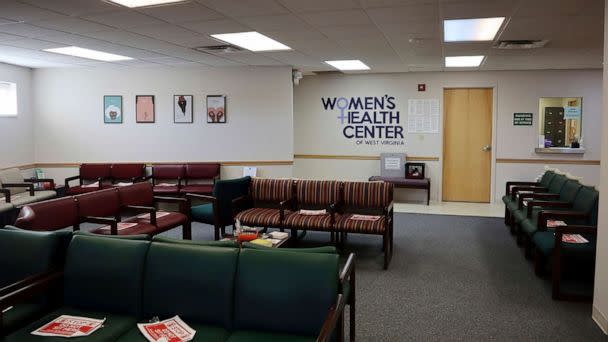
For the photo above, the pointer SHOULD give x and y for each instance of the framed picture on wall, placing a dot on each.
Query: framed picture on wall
(216, 108)
(144, 108)
(182, 108)
(112, 109)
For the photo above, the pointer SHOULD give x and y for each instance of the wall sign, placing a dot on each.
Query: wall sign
(367, 120)
(522, 119)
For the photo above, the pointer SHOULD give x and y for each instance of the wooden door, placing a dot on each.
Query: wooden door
(467, 144)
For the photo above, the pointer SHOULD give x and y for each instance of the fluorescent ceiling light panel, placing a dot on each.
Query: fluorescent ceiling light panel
(469, 30)
(346, 65)
(88, 53)
(142, 3)
(253, 41)
(463, 61)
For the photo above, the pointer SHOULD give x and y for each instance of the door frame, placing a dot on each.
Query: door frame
(464, 85)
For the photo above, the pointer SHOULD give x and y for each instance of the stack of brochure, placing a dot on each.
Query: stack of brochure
(69, 326)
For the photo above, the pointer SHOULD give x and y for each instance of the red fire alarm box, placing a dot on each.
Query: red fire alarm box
(422, 87)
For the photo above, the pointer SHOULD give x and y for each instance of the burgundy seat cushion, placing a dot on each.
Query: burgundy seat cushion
(77, 190)
(48, 215)
(102, 203)
(166, 189)
(168, 171)
(315, 222)
(345, 224)
(127, 171)
(202, 171)
(139, 228)
(94, 171)
(204, 189)
(260, 217)
(137, 194)
(165, 220)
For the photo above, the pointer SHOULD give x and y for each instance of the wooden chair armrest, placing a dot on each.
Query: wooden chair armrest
(41, 180)
(112, 222)
(26, 281)
(509, 186)
(7, 194)
(183, 203)
(284, 205)
(348, 271)
(331, 320)
(517, 189)
(547, 204)
(204, 198)
(30, 186)
(67, 181)
(207, 199)
(575, 230)
(545, 215)
(144, 209)
(31, 289)
(238, 204)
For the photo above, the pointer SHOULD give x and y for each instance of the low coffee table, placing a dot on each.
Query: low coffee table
(277, 244)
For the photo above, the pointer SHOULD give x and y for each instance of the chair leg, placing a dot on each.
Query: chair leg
(187, 231)
(340, 332)
(507, 217)
(216, 234)
(352, 306)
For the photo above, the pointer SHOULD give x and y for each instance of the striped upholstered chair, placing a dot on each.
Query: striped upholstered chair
(265, 205)
(368, 198)
(315, 195)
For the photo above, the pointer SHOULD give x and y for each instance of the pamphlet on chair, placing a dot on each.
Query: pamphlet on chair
(169, 330)
(70, 326)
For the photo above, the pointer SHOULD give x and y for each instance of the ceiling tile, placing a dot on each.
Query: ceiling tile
(549, 8)
(162, 31)
(352, 32)
(239, 8)
(72, 25)
(33, 44)
(8, 37)
(74, 7)
(394, 3)
(26, 30)
(478, 9)
(183, 12)
(337, 18)
(300, 6)
(123, 19)
(21, 12)
(273, 22)
(403, 14)
(294, 58)
(216, 26)
(292, 35)
(250, 58)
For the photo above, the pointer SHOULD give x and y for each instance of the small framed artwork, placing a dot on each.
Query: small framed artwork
(182, 108)
(414, 170)
(144, 108)
(112, 109)
(216, 108)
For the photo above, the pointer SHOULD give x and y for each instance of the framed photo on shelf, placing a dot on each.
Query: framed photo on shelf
(144, 108)
(414, 170)
(216, 108)
(182, 109)
(112, 109)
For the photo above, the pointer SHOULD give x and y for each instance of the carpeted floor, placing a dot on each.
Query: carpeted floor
(452, 278)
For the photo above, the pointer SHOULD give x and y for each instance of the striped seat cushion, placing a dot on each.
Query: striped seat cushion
(317, 192)
(271, 190)
(368, 194)
(345, 224)
(260, 217)
(315, 222)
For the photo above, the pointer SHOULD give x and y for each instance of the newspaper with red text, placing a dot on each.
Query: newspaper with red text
(70, 326)
(574, 238)
(169, 330)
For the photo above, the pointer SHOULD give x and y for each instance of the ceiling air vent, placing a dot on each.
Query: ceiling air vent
(221, 49)
(520, 44)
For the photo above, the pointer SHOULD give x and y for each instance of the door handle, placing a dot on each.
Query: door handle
(487, 148)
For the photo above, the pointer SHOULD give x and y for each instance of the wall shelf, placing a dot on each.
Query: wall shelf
(559, 150)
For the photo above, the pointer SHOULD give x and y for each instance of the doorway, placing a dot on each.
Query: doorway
(467, 144)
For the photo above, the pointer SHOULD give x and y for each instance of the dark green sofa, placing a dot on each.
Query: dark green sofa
(224, 293)
(513, 187)
(27, 256)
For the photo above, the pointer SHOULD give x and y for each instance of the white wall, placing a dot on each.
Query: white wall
(318, 132)
(16, 133)
(69, 116)
(600, 298)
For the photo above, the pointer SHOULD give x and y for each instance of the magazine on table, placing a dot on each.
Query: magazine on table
(70, 326)
(169, 330)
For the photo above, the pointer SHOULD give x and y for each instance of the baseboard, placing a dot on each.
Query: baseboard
(600, 319)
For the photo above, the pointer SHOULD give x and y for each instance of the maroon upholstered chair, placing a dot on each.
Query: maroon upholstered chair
(204, 176)
(88, 175)
(140, 197)
(167, 178)
(315, 195)
(267, 203)
(49, 215)
(130, 173)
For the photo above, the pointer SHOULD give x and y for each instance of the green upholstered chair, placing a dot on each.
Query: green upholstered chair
(261, 314)
(102, 277)
(549, 246)
(205, 300)
(218, 209)
(512, 188)
(25, 256)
